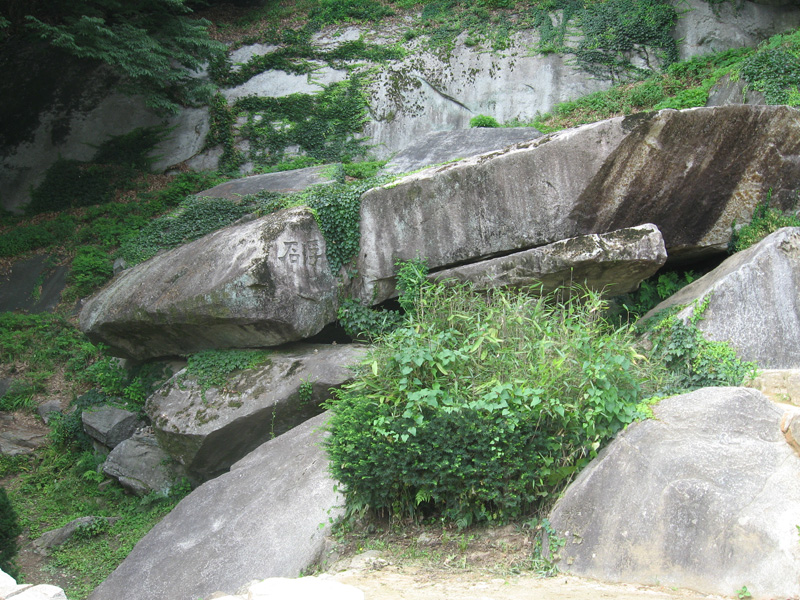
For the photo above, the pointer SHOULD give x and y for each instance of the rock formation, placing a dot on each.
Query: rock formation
(261, 283)
(691, 173)
(704, 496)
(615, 262)
(208, 430)
(753, 301)
(267, 517)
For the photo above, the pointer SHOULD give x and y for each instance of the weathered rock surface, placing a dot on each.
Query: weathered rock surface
(753, 301)
(444, 146)
(691, 173)
(55, 537)
(302, 588)
(110, 425)
(141, 466)
(726, 92)
(283, 182)
(616, 262)
(208, 431)
(704, 28)
(790, 427)
(267, 517)
(262, 283)
(33, 284)
(705, 497)
(779, 385)
(19, 435)
(25, 591)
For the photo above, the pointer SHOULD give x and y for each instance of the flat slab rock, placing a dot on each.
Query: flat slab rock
(283, 182)
(616, 262)
(261, 283)
(691, 173)
(753, 301)
(443, 146)
(268, 517)
(704, 496)
(207, 431)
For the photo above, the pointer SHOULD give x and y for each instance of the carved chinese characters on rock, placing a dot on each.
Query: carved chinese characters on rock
(307, 253)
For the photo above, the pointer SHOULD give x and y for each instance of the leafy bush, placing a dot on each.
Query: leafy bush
(90, 269)
(766, 220)
(32, 237)
(366, 324)
(70, 184)
(483, 407)
(652, 291)
(9, 530)
(693, 361)
(483, 121)
(775, 71)
(363, 170)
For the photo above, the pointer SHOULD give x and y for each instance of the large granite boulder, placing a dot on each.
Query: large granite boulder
(704, 496)
(615, 263)
(261, 283)
(445, 146)
(753, 301)
(691, 173)
(268, 517)
(282, 182)
(208, 430)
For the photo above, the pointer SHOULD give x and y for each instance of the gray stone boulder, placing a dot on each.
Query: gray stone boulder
(445, 146)
(705, 27)
(615, 262)
(691, 173)
(704, 496)
(9, 588)
(261, 283)
(753, 301)
(56, 537)
(268, 517)
(207, 431)
(283, 182)
(109, 425)
(142, 467)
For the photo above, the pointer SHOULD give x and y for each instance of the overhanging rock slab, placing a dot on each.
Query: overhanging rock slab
(615, 262)
(261, 283)
(691, 173)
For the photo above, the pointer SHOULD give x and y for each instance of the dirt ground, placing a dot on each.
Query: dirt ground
(426, 563)
(398, 583)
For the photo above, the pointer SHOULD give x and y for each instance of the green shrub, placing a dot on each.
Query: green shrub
(693, 361)
(195, 218)
(652, 291)
(484, 406)
(32, 237)
(765, 220)
(9, 530)
(70, 184)
(364, 323)
(363, 170)
(483, 121)
(90, 269)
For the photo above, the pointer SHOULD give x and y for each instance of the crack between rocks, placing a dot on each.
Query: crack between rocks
(444, 95)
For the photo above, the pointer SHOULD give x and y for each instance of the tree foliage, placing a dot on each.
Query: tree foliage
(154, 45)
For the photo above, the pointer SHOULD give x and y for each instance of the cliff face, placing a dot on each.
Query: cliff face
(383, 88)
